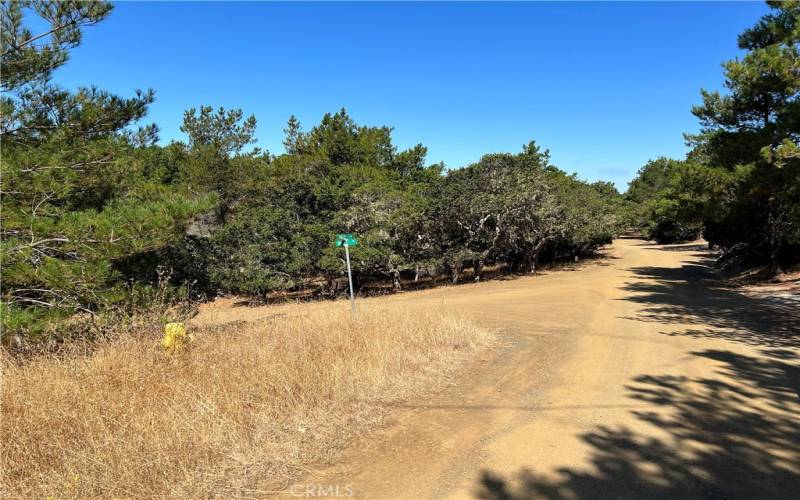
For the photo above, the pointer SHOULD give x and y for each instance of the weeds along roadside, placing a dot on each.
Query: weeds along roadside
(241, 410)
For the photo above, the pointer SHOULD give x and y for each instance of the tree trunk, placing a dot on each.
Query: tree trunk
(535, 257)
(396, 281)
(478, 269)
(455, 272)
(416, 273)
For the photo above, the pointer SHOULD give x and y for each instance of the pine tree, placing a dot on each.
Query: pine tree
(751, 131)
(76, 201)
(293, 134)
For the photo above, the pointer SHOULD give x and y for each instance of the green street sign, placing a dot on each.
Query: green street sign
(348, 238)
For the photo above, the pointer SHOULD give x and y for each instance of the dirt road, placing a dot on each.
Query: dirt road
(633, 377)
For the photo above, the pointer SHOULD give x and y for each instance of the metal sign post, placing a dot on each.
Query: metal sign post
(347, 240)
(350, 277)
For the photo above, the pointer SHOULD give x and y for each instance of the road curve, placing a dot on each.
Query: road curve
(636, 376)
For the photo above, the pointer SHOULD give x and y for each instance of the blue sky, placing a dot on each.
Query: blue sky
(604, 86)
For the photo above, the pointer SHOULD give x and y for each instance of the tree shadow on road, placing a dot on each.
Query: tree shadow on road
(733, 435)
(690, 295)
(737, 436)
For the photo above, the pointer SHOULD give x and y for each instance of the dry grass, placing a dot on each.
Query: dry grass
(245, 408)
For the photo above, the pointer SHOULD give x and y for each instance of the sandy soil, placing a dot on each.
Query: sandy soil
(636, 376)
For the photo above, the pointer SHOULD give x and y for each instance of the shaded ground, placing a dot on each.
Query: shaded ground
(726, 439)
(637, 377)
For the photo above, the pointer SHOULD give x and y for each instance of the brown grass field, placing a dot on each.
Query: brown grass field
(242, 410)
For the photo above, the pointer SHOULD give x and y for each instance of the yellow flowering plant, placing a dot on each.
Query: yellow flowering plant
(175, 337)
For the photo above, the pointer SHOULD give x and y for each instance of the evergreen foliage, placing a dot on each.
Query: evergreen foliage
(741, 181)
(77, 197)
(340, 177)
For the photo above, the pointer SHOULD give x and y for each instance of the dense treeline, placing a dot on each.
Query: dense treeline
(740, 184)
(97, 217)
(274, 225)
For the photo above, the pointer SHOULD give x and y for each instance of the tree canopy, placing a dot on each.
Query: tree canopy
(740, 183)
(77, 197)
